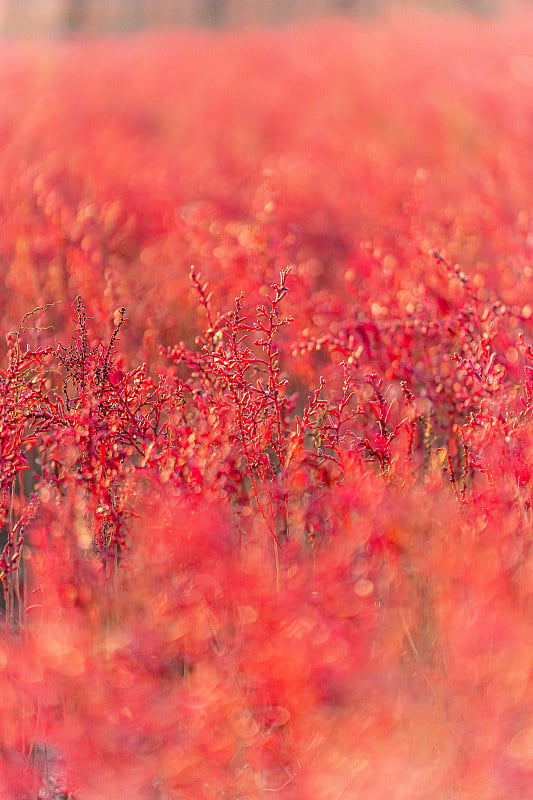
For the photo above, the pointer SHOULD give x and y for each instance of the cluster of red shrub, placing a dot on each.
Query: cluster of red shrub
(267, 519)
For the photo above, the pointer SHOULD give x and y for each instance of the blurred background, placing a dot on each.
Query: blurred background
(65, 16)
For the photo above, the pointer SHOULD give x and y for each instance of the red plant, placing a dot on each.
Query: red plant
(279, 544)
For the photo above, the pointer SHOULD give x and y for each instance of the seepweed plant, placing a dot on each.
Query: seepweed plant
(290, 557)
(177, 520)
(21, 385)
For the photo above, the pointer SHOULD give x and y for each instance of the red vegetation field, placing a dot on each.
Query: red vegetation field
(266, 433)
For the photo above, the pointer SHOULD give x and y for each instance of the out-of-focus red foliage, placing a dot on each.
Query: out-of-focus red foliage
(266, 443)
